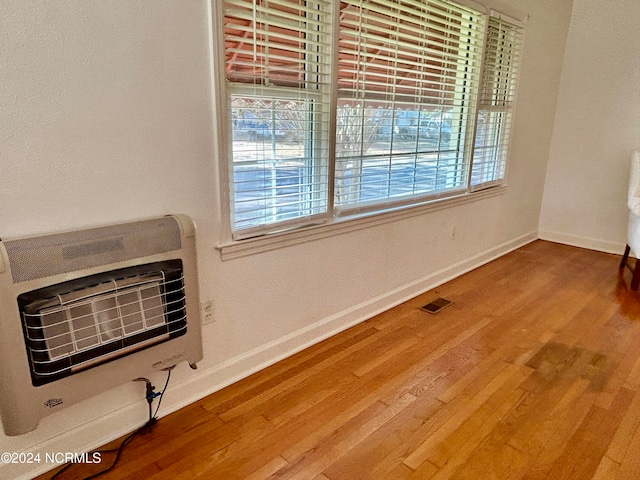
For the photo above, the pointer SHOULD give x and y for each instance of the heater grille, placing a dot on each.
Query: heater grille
(86, 322)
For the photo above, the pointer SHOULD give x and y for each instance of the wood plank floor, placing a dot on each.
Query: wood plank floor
(532, 373)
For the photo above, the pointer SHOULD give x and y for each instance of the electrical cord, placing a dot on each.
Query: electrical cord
(164, 389)
(151, 394)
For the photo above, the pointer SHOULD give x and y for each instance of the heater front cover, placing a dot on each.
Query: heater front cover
(84, 311)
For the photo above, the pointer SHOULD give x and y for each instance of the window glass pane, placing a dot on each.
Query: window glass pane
(489, 156)
(277, 170)
(386, 153)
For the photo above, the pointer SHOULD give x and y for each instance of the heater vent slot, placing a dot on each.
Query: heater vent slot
(85, 322)
(43, 256)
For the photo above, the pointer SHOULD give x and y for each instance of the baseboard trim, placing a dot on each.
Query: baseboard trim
(582, 242)
(257, 359)
(187, 387)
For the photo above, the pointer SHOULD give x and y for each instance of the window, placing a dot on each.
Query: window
(495, 110)
(277, 66)
(407, 77)
(339, 108)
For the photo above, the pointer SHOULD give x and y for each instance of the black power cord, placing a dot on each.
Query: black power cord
(151, 394)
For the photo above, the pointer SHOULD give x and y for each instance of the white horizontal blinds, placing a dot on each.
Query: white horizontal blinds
(497, 98)
(279, 169)
(407, 74)
(276, 42)
(277, 69)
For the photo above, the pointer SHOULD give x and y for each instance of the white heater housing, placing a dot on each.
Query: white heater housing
(84, 311)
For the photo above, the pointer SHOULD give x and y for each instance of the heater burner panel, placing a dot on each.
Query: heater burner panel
(55, 329)
(75, 325)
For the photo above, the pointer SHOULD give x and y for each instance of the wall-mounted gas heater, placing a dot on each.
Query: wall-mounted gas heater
(84, 311)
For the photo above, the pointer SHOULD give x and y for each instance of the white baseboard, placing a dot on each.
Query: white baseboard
(582, 242)
(257, 359)
(188, 388)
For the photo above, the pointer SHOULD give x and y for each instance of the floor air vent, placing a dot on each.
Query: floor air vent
(436, 305)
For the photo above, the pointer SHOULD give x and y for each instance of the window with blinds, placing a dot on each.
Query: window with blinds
(497, 96)
(277, 69)
(338, 108)
(407, 79)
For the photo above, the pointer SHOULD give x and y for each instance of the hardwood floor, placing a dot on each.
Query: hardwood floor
(532, 373)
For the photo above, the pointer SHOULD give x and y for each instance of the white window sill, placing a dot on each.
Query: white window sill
(265, 243)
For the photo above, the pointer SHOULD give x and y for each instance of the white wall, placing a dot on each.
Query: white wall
(106, 117)
(597, 126)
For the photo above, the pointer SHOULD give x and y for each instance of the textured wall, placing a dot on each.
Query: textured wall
(107, 116)
(597, 126)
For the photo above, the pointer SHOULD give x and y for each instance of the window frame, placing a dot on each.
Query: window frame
(336, 221)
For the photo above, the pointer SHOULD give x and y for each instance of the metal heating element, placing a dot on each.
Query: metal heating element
(84, 311)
